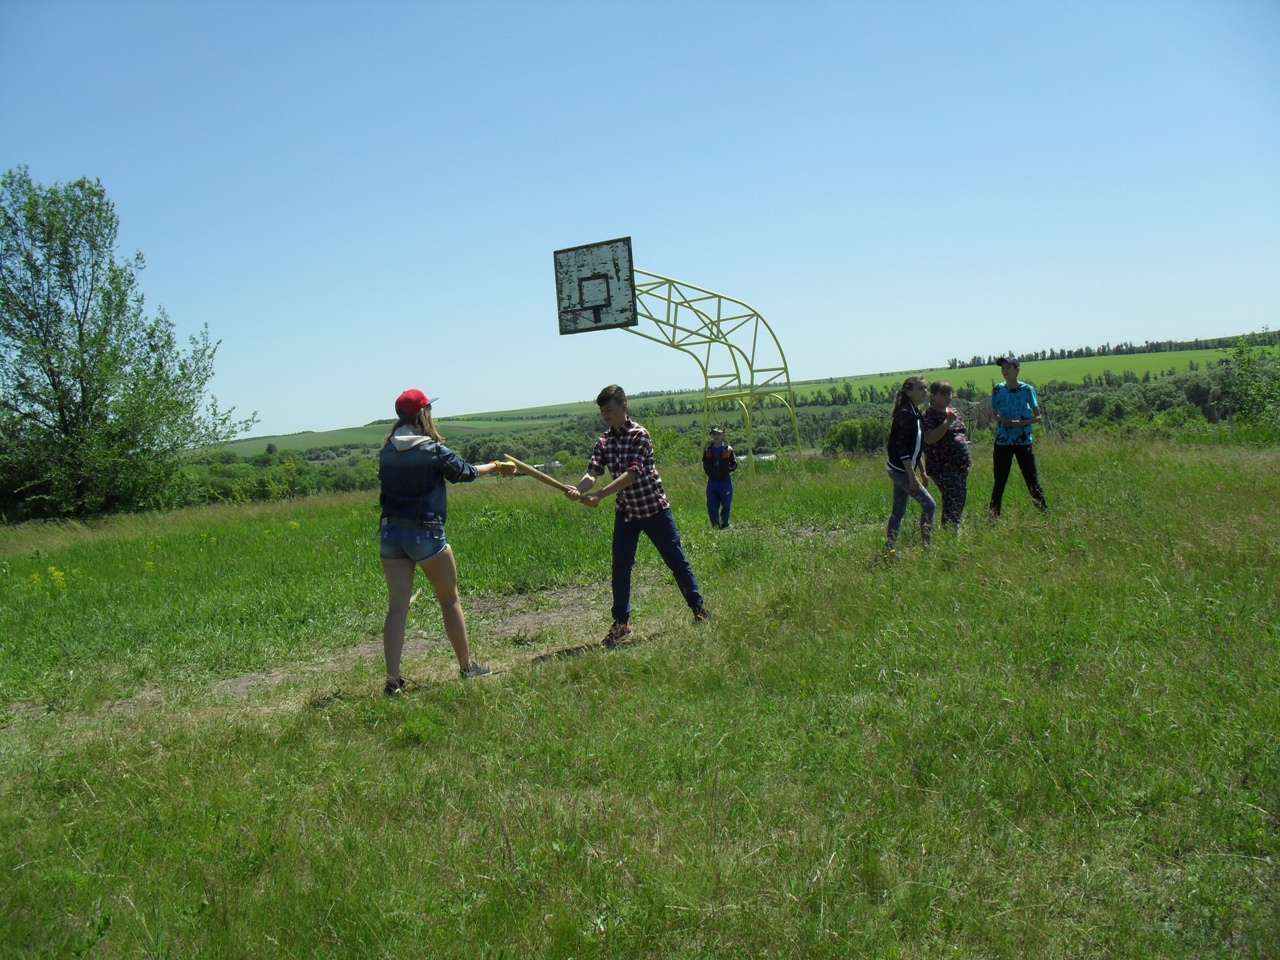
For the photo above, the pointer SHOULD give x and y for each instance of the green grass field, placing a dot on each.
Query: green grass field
(1058, 735)
(510, 421)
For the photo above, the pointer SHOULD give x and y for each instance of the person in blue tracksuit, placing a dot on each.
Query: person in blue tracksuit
(718, 463)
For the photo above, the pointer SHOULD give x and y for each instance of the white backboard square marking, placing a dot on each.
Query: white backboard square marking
(594, 291)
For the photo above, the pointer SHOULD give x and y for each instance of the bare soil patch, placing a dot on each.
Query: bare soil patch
(525, 624)
(506, 632)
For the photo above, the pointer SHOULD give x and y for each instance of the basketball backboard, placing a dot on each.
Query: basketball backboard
(596, 287)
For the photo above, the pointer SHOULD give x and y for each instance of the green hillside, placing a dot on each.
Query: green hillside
(1040, 372)
(372, 434)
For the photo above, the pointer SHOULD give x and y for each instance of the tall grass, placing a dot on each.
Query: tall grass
(1055, 735)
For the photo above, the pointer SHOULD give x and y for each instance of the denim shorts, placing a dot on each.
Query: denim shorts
(410, 543)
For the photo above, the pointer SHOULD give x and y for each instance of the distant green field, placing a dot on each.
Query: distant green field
(1033, 371)
(574, 409)
(372, 434)
(500, 421)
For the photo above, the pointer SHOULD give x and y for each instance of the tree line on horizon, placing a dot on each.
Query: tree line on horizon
(1263, 338)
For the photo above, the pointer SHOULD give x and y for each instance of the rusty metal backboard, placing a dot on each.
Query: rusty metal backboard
(595, 287)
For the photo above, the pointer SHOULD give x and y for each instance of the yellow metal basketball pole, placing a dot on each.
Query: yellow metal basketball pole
(738, 353)
(700, 323)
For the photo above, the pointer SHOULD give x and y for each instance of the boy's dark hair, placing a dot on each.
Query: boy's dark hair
(611, 393)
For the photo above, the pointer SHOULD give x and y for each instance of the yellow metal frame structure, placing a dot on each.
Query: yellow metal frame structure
(736, 350)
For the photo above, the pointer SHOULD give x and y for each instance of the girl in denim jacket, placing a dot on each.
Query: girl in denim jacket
(413, 467)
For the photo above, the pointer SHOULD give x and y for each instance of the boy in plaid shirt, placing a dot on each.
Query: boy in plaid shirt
(626, 451)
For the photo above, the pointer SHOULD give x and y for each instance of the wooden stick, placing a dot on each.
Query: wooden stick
(536, 473)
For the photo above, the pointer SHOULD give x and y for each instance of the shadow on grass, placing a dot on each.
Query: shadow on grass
(324, 700)
(568, 652)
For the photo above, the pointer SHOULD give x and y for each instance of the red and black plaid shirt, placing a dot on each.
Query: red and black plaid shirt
(630, 449)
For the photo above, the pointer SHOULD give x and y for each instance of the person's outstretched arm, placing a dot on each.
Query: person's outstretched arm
(503, 467)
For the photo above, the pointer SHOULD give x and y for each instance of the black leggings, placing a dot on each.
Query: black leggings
(1002, 461)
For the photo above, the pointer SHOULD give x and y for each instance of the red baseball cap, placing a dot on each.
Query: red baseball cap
(411, 401)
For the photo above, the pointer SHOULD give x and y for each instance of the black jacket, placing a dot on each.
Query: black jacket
(905, 439)
(719, 468)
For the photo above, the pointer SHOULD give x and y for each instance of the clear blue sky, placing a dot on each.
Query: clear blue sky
(361, 197)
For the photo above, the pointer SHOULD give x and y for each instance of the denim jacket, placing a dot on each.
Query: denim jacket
(413, 469)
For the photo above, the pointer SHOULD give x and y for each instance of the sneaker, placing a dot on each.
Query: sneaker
(394, 687)
(475, 670)
(617, 633)
(701, 615)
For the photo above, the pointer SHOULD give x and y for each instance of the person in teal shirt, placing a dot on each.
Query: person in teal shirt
(1016, 409)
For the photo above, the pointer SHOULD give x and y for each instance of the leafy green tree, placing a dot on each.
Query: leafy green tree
(863, 435)
(97, 400)
(1253, 384)
(670, 445)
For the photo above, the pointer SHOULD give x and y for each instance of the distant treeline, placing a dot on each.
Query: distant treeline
(1267, 338)
(835, 395)
(224, 476)
(1236, 396)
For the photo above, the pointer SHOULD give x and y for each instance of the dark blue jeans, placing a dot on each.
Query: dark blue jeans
(660, 528)
(719, 500)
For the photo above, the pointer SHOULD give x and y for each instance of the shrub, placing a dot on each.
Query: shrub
(863, 435)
